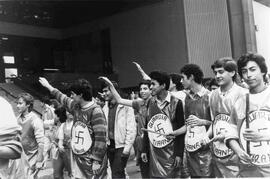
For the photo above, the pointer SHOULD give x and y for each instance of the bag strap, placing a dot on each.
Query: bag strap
(247, 120)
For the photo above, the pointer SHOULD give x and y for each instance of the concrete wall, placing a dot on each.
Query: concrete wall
(208, 34)
(262, 22)
(153, 35)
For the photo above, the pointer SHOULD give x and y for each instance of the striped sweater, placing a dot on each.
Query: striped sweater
(95, 120)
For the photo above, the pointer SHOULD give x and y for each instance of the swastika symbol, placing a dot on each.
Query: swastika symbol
(220, 130)
(191, 133)
(159, 130)
(79, 137)
(260, 143)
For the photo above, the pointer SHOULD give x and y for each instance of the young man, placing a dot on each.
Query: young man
(140, 113)
(249, 136)
(32, 131)
(121, 132)
(88, 140)
(164, 114)
(221, 103)
(176, 87)
(197, 158)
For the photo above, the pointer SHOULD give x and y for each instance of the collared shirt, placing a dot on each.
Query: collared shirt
(199, 94)
(162, 104)
(111, 119)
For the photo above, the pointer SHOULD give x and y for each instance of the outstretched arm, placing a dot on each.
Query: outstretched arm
(62, 98)
(116, 95)
(144, 75)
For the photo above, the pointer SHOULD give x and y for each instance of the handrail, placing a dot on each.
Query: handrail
(15, 97)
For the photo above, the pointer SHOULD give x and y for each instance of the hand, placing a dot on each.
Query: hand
(38, 165)
(44, 82)
(61, 149)
(177, 161)
(194, 121)
(138, 66)
(95, 167)
(205, 141)
(144, 157)
(254, 136)
(144, 75)
(125, 154)
(170, 135)
(244, 157)
(220, 136)
(106, 80)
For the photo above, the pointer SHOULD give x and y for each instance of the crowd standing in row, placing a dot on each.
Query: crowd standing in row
(178, 127)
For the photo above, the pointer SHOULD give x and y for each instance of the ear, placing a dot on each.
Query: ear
(163, 86)
(232, 73)
(191, 77)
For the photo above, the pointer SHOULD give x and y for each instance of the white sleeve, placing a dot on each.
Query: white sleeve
(61, 132)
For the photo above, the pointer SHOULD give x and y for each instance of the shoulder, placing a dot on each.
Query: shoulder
(97, 110)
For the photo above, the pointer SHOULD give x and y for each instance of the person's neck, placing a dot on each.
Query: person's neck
(162, 95)
(173, 89)
(261, 87)
(195, 87)
(112, 101)
(226, 87)
(25, 113)
(147, 98)
(84, 103)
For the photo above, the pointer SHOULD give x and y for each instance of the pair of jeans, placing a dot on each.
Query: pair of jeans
(118, 160)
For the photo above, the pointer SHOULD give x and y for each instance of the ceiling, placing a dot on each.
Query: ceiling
(63, 14)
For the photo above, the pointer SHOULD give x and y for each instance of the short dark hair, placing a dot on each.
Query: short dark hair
(213, 82)
(245, 58)
(61, 112)
(145, 82)
(227, 63)
(28, 99)
(82, 86)
(46, 100)
(115, 84)
(161, 77)
(55, 103)
(176, 79)
(195, 70)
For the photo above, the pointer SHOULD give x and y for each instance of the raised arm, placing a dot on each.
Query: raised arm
(144, 75)
(62, 98)
(116, 95)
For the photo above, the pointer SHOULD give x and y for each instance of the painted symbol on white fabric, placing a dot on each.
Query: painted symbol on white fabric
(194, 137)
(220, 126)
(81, 140)
(159, 130)
(259, 151)
(260, 143)
(192, 133)
(159, 124)
(79, 137)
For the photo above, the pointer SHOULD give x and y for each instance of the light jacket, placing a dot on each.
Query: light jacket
(124, 126)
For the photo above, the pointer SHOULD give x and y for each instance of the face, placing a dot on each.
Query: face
(186, 81)
(222, 76)
(252, 74)
(22, 106)
(156, 87)
(145, 91)
(172, 85)
(75, 97)
(56, 119)
(107, 94)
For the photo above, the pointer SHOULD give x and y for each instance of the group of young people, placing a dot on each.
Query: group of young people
(178, 133)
